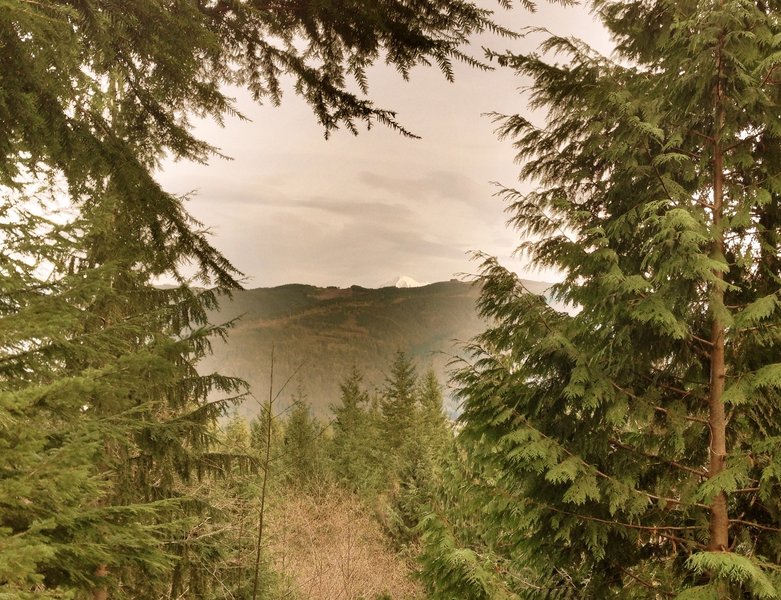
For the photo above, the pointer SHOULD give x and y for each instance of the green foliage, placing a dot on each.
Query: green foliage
(100, 415)
(454, 570)
(398, 402)
(259, 427)
(65, 61)
(404, 442)
(106, 428)
(459, 545)
(740, 570)
(302, 455)
(435, 434)
(391, 455)
(593, 430)
(421, 453)
(357, 452)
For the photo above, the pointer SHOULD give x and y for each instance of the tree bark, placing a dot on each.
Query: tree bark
(717, 423)
(719, 518)
(100, 592)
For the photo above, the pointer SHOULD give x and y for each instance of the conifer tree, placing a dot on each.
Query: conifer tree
(422, 455)
(354, 402)
(432, 420)
(259, 427)
(356, 452)
(461, 551)
(44, 483)
(399, 401)
(631, 445)
(98, 361)
(303, 454)
(103, 382)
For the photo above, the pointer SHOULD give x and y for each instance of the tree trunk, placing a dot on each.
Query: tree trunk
(719, 519)
(717, 423)
(266, 462)
(100, 592)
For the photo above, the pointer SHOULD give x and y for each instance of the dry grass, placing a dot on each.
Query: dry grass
(331, 548)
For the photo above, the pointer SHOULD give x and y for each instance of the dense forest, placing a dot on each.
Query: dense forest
(326, 332)
(627, 447)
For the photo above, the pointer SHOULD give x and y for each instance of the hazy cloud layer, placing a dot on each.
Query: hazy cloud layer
(292, 207)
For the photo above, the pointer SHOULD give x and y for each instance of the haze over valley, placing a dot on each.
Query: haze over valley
(325, 331)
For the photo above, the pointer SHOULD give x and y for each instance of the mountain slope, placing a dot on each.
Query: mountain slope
(327, 330)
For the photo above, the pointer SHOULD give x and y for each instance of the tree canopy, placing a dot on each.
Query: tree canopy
(627, 445)
(97, 365)
(65, 63)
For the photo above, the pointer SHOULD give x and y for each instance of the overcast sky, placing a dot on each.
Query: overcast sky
(292, 207)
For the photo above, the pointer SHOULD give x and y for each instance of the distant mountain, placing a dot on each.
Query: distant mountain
(327, 330)
(403, 281)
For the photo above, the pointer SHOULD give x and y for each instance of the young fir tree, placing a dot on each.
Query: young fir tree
(354, 401)
(399, 402)
(259, 428)
(433, 423)
(420, 471)
(302, 454)
(632, 445)
(355, 449)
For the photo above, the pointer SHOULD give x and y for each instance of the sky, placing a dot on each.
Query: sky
(293, 207)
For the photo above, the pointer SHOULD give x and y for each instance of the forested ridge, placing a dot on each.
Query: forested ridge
(328, 331)
(626, 447)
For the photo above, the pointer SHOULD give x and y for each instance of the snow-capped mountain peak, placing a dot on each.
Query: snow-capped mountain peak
(403, 281)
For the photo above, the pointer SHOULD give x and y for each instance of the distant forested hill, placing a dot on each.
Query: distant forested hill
(330, 329)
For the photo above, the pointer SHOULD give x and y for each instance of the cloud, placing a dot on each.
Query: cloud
(361, 229)
(449, 185)
(356, 208)
(293, 207)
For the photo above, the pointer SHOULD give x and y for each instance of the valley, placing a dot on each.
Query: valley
(321, 333)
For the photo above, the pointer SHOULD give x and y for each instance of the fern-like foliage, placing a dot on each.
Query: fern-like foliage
(595, 430)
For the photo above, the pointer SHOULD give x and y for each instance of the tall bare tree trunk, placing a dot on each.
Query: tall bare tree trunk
(266, 462)
(717, 423)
